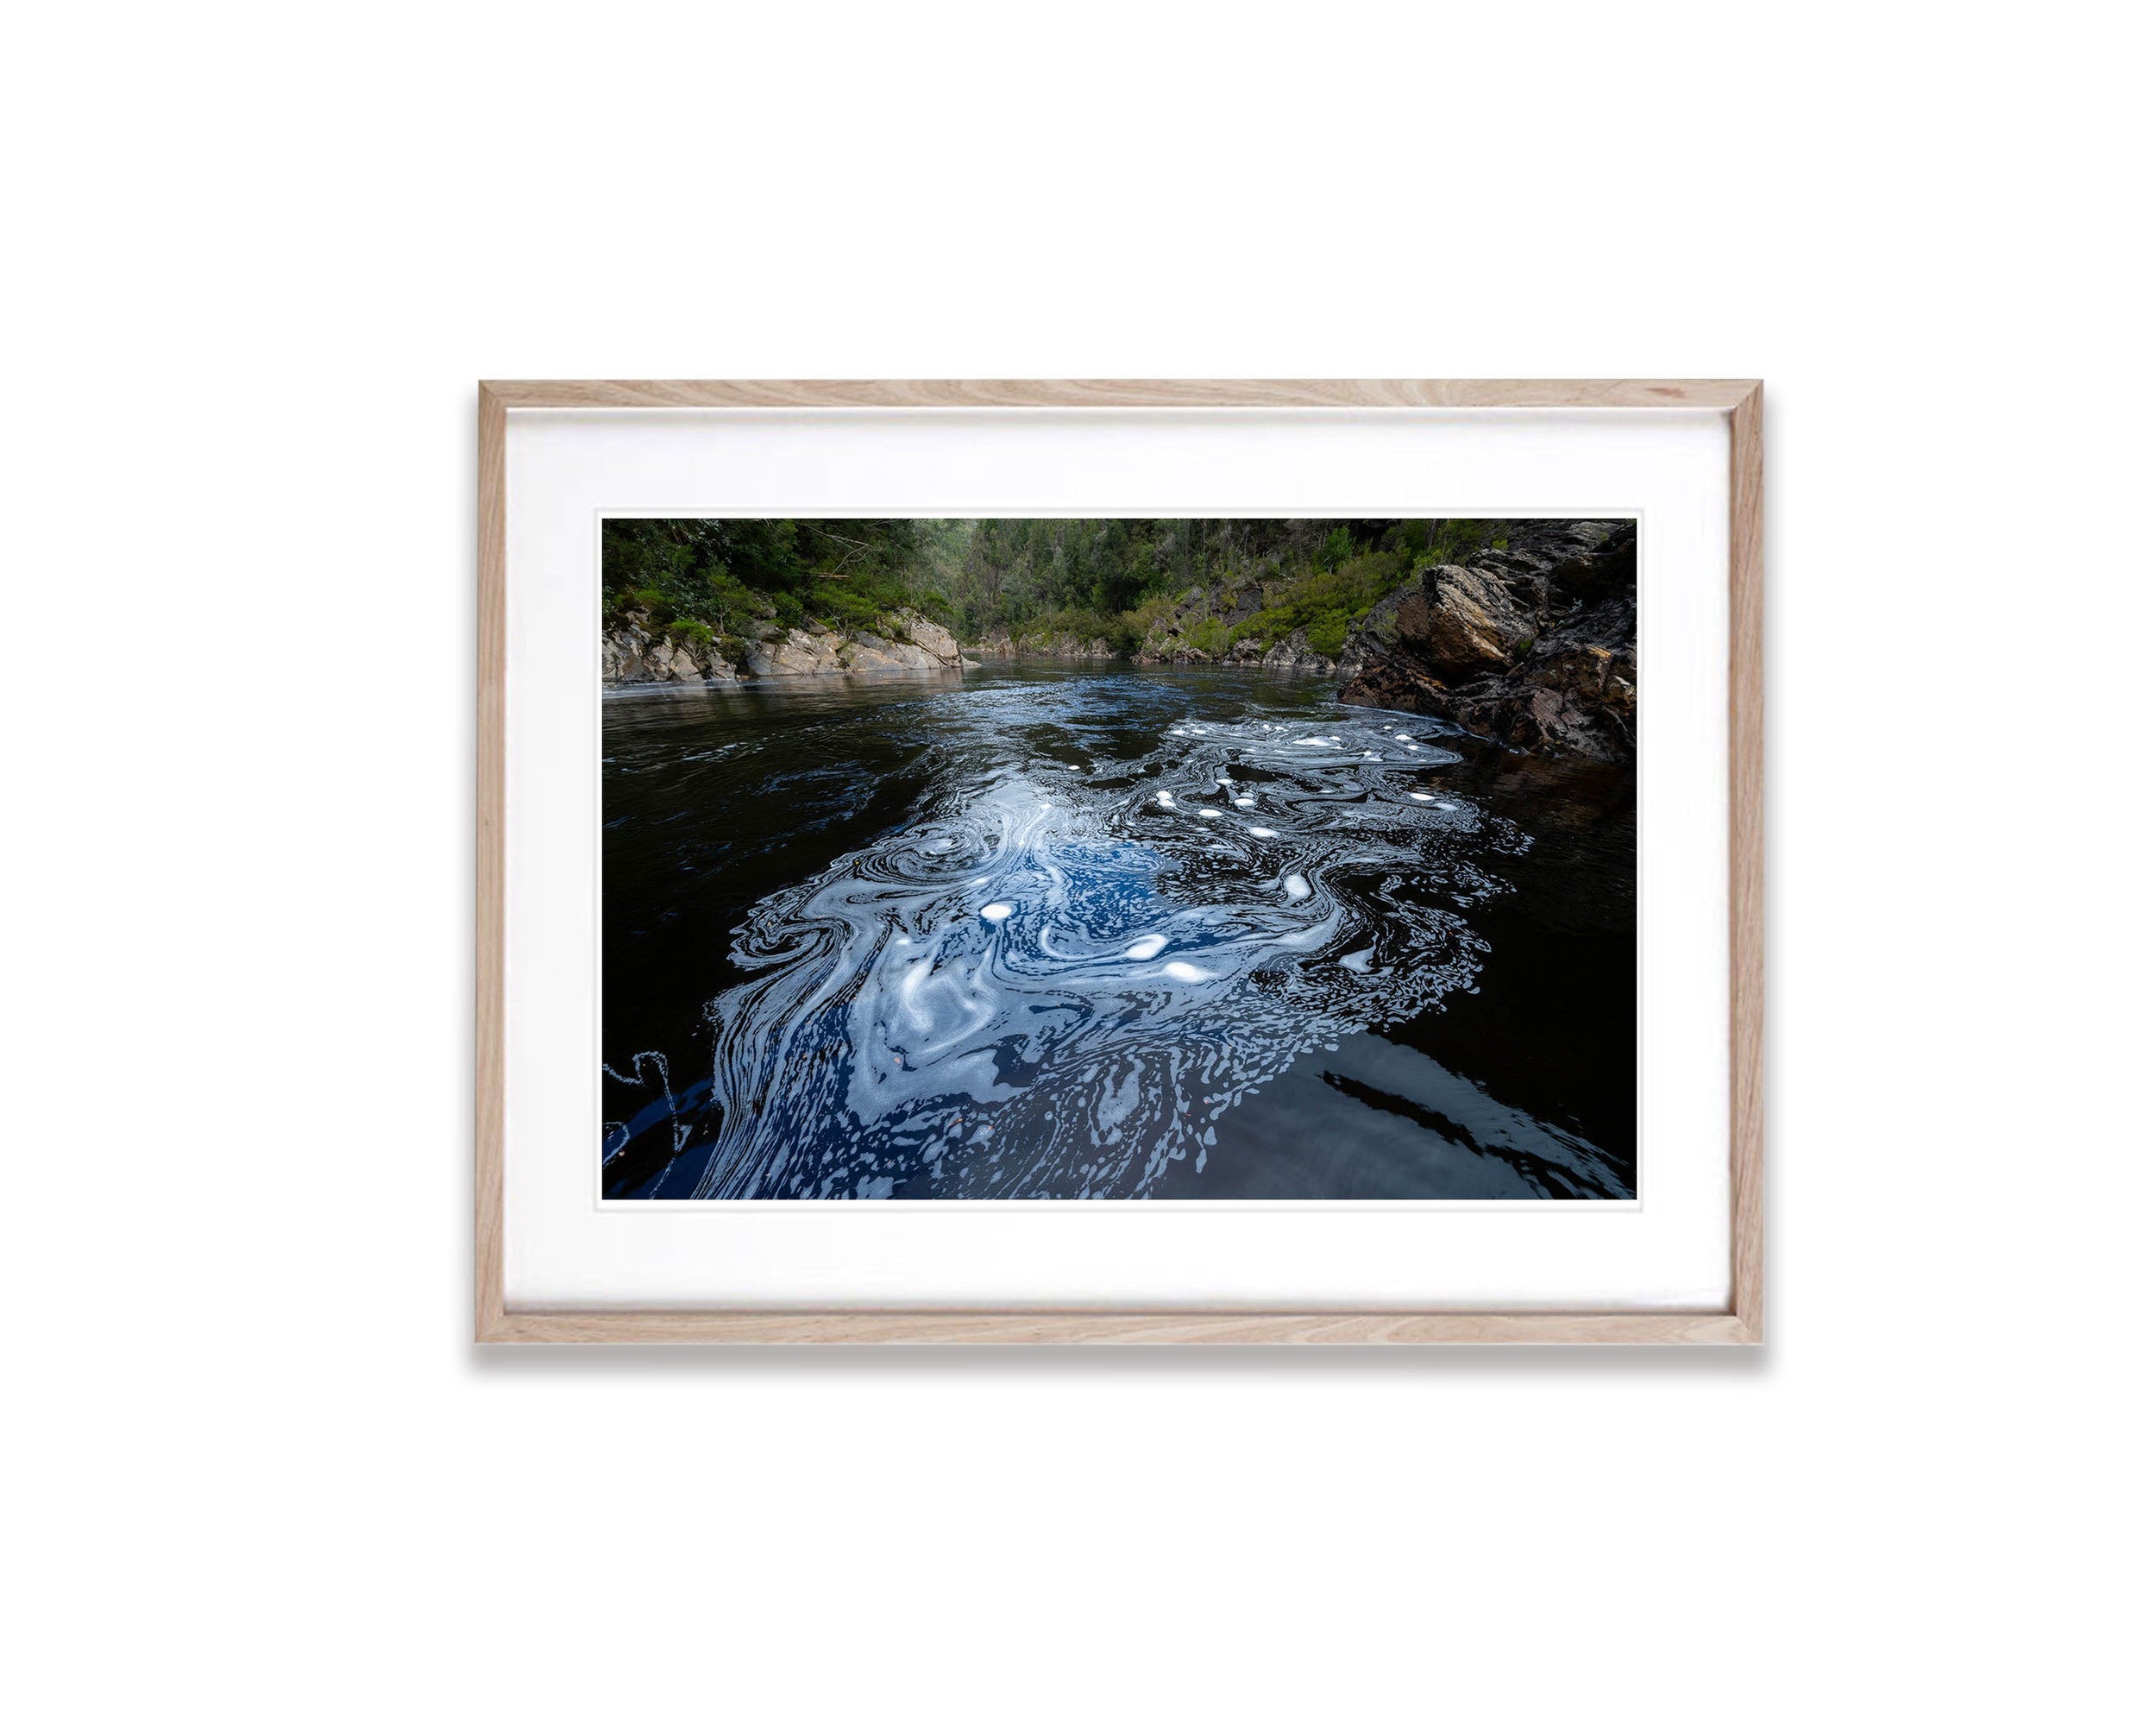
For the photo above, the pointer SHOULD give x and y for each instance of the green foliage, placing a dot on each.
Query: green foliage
(1209, 635)
(1324, 604)
(1083, 624)
(1141, 618)
(1328, 635)
(1109, 578)
(639, 605)
(729, 603)
(695, 633)
(1454, 541)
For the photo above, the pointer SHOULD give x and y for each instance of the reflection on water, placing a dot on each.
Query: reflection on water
(1058, 934)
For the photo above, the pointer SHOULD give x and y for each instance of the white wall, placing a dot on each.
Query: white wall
(261, 255)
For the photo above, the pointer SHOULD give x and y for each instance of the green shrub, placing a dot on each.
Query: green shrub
(695, 633)
(640, 601)
(1323, 603)
(1210, 636)
(1329, 634)
(788, 609)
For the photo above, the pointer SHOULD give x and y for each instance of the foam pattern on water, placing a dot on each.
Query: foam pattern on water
(1054, 980)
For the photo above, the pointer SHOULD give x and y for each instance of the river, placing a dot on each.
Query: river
(1046, 932)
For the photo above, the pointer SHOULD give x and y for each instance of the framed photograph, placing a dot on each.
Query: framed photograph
(1089, 861)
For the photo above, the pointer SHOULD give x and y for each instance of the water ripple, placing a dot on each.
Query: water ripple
(1059, 974)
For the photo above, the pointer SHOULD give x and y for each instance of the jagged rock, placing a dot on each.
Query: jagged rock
(814, 651)
(632, 652)
(1534, 645)
(873, 653)
(621, 655)
(1464, 622)
(798, 653)
(932, 638)
(1296, 653)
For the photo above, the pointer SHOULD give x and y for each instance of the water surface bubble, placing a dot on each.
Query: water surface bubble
(996, 913)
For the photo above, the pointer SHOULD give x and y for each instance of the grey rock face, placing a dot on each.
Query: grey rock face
(633, 653)
(1296, 653)
(814, 651)
(932, 638)
(795, 653)
(632, 650)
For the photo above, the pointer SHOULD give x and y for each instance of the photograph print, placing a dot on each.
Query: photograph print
(1217, 859)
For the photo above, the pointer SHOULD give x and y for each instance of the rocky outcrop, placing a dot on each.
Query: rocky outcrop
(932, 638)
(1198, 628)
(632, 650)
(916, 643)
(1293, 653)
(1535, 645)
(809, 650)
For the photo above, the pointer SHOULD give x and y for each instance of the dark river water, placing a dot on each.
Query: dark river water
(1123, 932)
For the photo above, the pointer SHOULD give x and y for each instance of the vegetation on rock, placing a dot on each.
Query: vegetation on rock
(1048, 585)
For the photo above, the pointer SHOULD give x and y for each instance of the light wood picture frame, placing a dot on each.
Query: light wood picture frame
(1738, 400)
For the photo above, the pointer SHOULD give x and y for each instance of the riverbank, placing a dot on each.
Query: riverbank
(1529, 639)
(636, 650)
(1522, 632)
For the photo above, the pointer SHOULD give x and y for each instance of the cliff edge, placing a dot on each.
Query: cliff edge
(1535, 645)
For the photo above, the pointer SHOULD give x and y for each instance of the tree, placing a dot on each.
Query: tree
(730, 602)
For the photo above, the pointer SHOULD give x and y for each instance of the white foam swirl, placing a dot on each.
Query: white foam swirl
(1046, 986)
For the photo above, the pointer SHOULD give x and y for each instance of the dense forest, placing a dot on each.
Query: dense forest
(720, 582)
